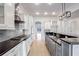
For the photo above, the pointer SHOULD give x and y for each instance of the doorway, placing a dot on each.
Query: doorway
(38, 30)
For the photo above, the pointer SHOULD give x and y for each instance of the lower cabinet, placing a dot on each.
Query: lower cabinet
(65, 49)
(51, 46)
(12, 52)
(22, 49)
(70, 49)
(28, 45)
(58, 50)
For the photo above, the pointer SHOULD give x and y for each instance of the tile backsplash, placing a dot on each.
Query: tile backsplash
(7, 34)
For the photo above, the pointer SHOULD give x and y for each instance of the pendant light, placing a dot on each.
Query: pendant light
(65, 14)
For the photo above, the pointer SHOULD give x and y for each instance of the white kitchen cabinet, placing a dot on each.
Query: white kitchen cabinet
(12, 52)
(7, 15)
(18, 50)
(48, 25)
(22, 49)
(28, 44)
(54, 26)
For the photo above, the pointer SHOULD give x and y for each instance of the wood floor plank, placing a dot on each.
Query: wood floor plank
(38, 48)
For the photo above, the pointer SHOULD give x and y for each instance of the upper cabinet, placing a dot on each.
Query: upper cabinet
(7, 12)
(1, 14)
(47, 25)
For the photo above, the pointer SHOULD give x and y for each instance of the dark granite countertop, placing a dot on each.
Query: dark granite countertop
(61, 35)
(71, 40)
(56, 40)
(5, 46)
(67, 40)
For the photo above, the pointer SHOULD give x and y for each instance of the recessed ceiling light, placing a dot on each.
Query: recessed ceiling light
(36, 3)
(49, 3)
(45, 13)
(37, 13)
(53, 13)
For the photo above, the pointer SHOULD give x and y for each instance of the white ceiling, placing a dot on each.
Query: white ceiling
(31, 8)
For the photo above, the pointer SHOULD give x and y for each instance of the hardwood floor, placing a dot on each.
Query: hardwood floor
(38, 48)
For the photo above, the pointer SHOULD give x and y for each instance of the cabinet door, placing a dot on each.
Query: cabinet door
(28, 44)
(1, 13)
(2, 21)
(51, 46)
(58, 50)
(48, 25)
(7, 15)
(9, 9)
(12, 52)
(65, 49)
(75, 50)
(22, 49)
